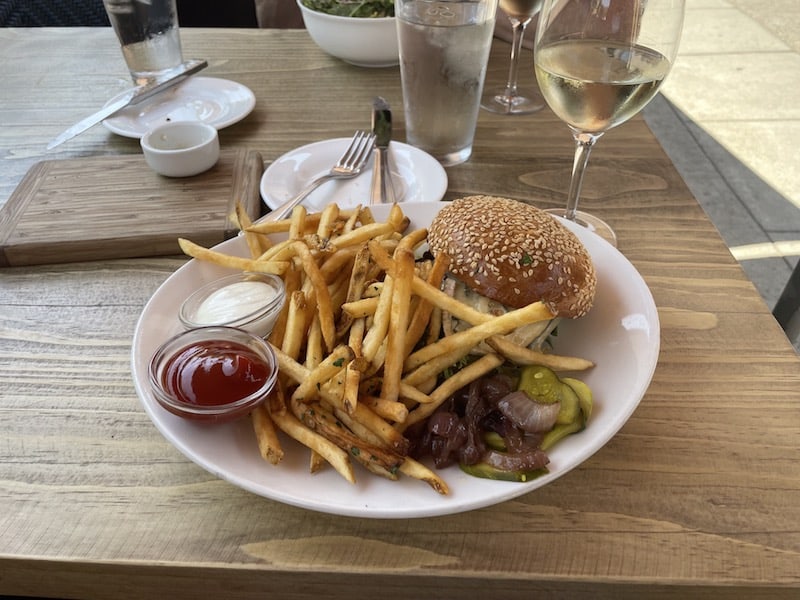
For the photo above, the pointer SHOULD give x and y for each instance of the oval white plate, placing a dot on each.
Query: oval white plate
(621, 334)
(417, 176)
(218, 102)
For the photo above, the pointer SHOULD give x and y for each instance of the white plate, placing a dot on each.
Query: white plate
(417, 176)
(621, 334)
(218, 102)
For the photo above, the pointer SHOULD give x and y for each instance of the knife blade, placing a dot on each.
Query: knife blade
(382, 188)
(132, 96)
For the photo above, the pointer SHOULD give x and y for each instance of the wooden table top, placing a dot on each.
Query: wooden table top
(697, 496)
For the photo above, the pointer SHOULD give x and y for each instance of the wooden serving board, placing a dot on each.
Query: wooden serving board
(117, 207)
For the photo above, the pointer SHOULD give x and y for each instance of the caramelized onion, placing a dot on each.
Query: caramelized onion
(519, 461)
(527, 414)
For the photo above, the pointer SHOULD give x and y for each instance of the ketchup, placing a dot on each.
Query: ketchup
(214, 372)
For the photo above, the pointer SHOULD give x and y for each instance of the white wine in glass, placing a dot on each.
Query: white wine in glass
(509, 100)
(598, 63)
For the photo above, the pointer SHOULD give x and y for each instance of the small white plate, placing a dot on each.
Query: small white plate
(417, 176)
(620, 334)
(218, 102)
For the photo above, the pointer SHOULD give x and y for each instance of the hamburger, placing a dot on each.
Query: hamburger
(506, 254)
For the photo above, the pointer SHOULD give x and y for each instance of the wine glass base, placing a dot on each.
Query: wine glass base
(592, 223)
(499, 102)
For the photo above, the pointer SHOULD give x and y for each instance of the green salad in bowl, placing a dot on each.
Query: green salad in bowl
(360, 32)
(353, 8)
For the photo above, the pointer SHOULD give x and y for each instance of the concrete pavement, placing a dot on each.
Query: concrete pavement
(729, 117)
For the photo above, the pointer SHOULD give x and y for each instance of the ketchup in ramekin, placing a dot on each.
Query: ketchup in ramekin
(213, 374)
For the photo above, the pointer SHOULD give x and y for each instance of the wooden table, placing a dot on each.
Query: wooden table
(697, 496)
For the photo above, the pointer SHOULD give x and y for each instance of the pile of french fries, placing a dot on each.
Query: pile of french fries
(359, 341)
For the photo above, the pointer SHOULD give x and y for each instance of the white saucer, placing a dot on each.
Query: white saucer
(417, 176)
(218, 102)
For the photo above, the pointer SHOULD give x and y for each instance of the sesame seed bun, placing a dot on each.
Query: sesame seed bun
(515, 254)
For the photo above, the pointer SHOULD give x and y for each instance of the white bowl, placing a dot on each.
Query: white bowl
(360, 41)
(181, 148)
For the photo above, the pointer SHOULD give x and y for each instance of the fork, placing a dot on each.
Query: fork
(350, 164)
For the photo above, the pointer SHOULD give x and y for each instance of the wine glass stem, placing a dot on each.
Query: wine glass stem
(518, 28)
(584, 142)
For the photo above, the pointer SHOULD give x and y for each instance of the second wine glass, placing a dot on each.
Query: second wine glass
(598, 63)
(509, 99)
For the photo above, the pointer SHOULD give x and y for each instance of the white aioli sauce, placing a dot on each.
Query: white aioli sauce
(234, 302)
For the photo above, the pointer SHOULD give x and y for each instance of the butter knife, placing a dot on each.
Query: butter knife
(132, 96)
(382, 189)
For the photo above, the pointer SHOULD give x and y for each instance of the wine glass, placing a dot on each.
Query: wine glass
(598, 63)
(508, 100)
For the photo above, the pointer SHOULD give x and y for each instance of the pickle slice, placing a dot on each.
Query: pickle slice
(541, 384)
(487, 471)
(570, 407)
(584, 393)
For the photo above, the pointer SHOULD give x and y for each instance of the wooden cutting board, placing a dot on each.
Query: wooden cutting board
(116, 207)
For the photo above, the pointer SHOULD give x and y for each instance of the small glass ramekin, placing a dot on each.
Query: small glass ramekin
(259, 321)
(232, 340)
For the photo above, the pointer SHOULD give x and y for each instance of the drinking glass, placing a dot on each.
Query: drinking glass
(444, 51)
(509, 100)
(148, 35)
(598, 63)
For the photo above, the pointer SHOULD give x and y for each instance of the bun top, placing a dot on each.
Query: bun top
(514, 253)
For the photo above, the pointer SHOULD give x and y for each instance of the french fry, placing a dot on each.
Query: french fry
(356, 335)
(387, 409)
(376, 333)
(417, 470)
(422, 314)
(322, 421)
(298, 222)
(316, 462)
(295, 324)
(522, 355)
(431, 368)
(267, 438)
(314, 353)
(373, 290)
(281, 251)
(351, 220)
(363, 234)
(398, 324)
(413, 240)
(333, 454)
(327, 222)
(323, 297)
(414, 393)
(283, 225)
(355, 288)
(311, 380)
(364, 307)
(366, 216)
(256, 242)
(352, 379)
(469, 338)
(291, 283)
(232, 262)
(397, 218)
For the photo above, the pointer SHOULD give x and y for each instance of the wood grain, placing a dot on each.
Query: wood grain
(116, 207)
(698, 496)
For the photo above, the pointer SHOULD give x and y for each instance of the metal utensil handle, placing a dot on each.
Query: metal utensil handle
(284, 209)
(386, 175)
(378, 192)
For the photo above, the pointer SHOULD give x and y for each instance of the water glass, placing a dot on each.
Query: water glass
(148, 34)
(444, 50)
